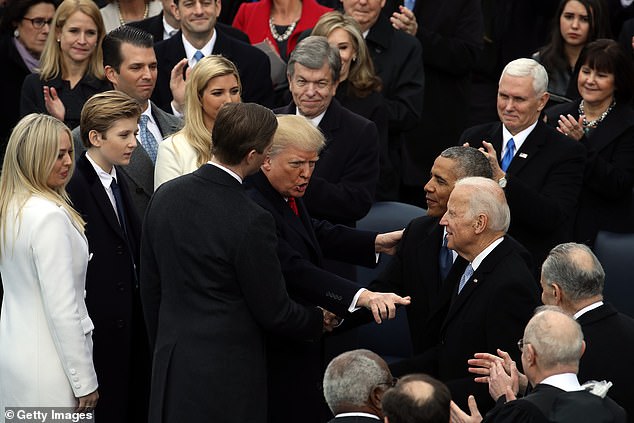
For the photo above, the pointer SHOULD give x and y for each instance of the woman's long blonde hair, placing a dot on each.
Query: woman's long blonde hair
(195, 131)
(51, 65)
(28, 162)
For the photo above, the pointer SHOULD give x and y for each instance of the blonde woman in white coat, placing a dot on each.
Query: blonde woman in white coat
(213, 82)
(45, 330)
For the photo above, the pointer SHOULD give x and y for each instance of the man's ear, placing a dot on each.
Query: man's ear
(375, 397)
(218, 7)
(95, 138)
(557, 293)
(481, 223)
(266, 166)
(111, 74)
(175, 11)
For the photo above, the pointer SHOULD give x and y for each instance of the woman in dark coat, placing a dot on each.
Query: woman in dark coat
(71, 68)
(24, 28)
(603, 122)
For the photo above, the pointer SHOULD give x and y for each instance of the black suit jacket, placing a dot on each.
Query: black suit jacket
(209, 296)
(112, 294)
(414, 271)
(609, 337)
(544, 182)
(489, 313)
(253, 65)
(295, 368)
(342, 187)
(154, 25)
(548, 404)
(606, 197)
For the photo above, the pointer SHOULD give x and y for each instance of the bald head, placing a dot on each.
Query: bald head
(417, 398)
(556, 339)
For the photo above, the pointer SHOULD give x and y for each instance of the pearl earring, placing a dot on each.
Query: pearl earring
(16, 33)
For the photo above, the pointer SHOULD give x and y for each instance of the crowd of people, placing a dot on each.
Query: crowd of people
(182, 179)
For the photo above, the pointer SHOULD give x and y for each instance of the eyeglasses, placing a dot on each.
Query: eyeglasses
(391, 384)
(38, 23)
(521, 343)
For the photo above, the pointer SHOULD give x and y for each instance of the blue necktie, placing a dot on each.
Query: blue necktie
(198, 55)
(147, 139)
(468, 272)
(118, 200)
(445, 259)
(508, 156)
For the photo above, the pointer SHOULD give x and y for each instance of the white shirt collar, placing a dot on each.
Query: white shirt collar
(229, 171)
(316, 120)
(478, 260)
(168, 30)
(358, 414)
(587, 309)
(565, 381)
(104, 177)
(190, 50)
(518, 138)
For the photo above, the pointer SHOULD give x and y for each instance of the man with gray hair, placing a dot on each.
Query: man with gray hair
(551, 348)
(540, 170)
(423, 260)
(354, 384)
(343, 184)
(491, 300)
(573, 278)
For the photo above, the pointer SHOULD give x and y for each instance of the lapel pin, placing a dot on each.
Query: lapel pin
(475, 281)
(523, 155)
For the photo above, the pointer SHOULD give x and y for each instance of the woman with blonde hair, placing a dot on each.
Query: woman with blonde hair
(213, 82)
(45, 330)
(359, 86)
(71, 68)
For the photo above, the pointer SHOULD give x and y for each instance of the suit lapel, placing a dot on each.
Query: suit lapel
(529, 149)
(477, 279)
(330, 122)
(98, 192)
(166, 127)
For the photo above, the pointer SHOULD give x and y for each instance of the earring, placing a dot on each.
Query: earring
(16, 33)
(58, 40)
(354, 58)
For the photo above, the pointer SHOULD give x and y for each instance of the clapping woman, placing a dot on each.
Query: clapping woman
(603, 122)
(71, 68)
(213, 82)
(45, 330)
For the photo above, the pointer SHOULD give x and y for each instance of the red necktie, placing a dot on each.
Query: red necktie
(293, 205)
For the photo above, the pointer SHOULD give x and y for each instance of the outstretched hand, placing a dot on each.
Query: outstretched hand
(459, 416)
(382, 305)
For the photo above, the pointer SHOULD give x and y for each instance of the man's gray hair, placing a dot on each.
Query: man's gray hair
(575, 269)
(528, 67)
(556, 337)
(469, 162)
(312, 52)
(487, 198)
(350, 378)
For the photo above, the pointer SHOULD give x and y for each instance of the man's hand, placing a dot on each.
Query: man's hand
(405, 20)
(177, 85)
(382, 305)
(490, 153)
(87, 402)
(483, 362)
(331, 320)
(53, 103)
(387, 242)
(500, 382)
(459, 416)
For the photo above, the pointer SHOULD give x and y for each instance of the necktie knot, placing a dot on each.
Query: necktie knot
(198, 55)
(508, 156)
